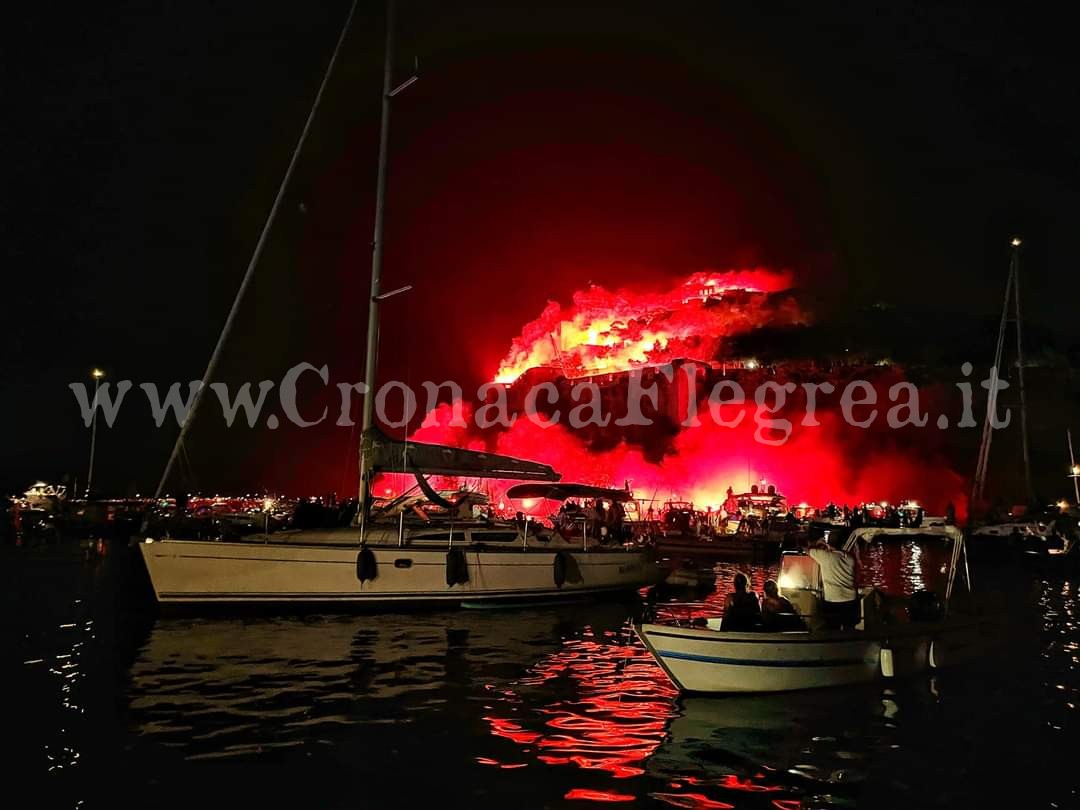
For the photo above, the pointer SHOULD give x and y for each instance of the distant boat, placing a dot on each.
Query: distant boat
(747, 529)
(1049, 534)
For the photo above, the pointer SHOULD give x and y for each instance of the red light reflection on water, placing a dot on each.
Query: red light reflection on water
(903, 568)
(695, 801)
(512, 731)
(618, 716)
(597, 795)
(600, 703)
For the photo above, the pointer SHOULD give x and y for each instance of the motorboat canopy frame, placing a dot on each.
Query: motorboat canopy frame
(950, 533)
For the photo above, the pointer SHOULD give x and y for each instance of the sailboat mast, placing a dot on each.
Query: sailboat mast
(983, 463)
(1074, 472)
(376, 265)
(1020, 371)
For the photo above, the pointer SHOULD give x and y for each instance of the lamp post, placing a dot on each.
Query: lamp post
(97, 374)
(268, 507)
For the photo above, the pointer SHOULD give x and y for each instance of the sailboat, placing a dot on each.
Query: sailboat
(400, 554)
(1042, 534)
(404, 555)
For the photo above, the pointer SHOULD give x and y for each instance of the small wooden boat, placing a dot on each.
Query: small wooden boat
(711, 660)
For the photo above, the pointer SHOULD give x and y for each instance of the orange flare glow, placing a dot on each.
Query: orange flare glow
(605, 331)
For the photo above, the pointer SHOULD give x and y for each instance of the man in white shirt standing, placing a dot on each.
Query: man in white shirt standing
(841, 606)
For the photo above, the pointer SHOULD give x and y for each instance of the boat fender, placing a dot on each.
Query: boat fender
(560, 568)
(366, 567)
(457, 567)
(887, 662)
(566, 569)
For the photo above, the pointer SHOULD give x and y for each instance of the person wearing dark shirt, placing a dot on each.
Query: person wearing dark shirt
(777, 613)
(741, 609)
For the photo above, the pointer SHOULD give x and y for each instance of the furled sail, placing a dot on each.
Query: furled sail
(387, 455)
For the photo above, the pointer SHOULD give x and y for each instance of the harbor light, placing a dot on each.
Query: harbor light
(268, 504)
(1074, 471)
(97, 374)
(1016, 241)
(751, 364)
(1063, 505)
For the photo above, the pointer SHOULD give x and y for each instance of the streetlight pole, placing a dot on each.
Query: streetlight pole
(97, 374)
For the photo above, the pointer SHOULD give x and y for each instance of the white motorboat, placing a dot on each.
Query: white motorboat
(1025, 529)
(404, 556)
(711, 660)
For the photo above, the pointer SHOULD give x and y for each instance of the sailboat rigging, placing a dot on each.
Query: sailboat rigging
(448, 553)
(1012, 296)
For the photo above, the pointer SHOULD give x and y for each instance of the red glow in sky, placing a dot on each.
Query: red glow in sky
(606, 331)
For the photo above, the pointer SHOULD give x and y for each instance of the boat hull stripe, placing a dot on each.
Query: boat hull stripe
(750, 662)
(730, 638)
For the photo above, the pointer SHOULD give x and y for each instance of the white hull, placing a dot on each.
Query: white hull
(217, 572)
(712, 661)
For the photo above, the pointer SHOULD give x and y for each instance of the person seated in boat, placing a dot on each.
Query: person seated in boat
(566, 522)
(840, 606)
(741, 609)
(777, 613)
(594, 519)
(611, 528)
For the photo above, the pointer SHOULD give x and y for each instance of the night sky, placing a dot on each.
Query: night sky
(881, 154)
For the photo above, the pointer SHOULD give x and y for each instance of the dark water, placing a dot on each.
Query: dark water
(109, 706)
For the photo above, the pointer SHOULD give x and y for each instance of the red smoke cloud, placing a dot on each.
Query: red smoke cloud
(604, 332)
